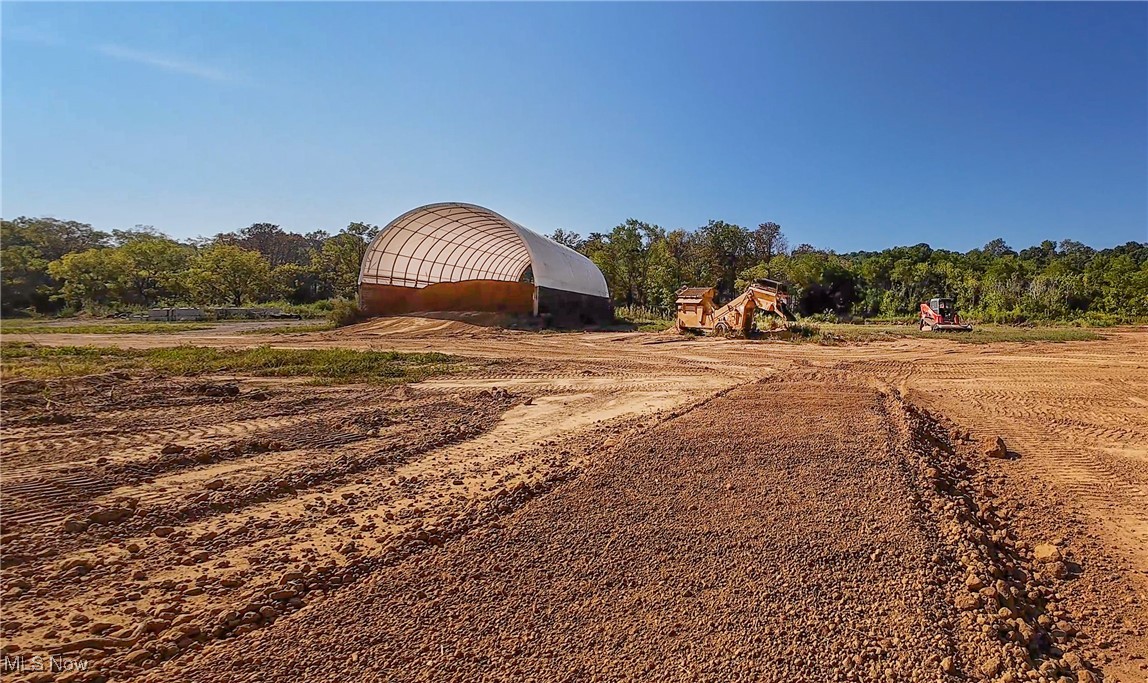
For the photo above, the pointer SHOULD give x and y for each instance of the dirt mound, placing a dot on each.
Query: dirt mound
(433, 324)
(717, 551)
(1006, 590)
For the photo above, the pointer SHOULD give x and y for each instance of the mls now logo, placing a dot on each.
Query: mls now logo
(22, 664)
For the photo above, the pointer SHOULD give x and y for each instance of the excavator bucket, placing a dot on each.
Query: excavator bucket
(949, 327)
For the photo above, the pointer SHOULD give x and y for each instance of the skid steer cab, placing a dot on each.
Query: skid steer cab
(940, 315)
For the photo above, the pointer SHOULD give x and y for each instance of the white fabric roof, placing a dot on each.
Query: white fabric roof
(451, 242)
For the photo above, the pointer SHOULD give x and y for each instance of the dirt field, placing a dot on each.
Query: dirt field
(586, 506)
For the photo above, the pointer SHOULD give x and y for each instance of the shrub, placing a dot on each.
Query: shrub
(827, 316)
(325, 365)
(1096, 319)
(769, 322)
(804, 330)
(316, 309)
(644, 318)
(344, 312)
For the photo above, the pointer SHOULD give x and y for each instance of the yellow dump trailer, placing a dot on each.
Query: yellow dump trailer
(696, 309)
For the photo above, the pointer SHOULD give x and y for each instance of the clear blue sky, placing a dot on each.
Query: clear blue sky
(855, 126)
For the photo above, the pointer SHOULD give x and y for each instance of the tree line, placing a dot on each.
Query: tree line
(644, 265)
(50, 265)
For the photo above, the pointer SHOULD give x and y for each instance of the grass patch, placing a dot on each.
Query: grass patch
(654, 325)
(318, 309)
(643, 319)
(159, 328)
(329, 365)
(838, 333)
(103, 328)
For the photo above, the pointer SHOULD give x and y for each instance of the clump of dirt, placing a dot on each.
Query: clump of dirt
(213, 389)
(996, 448)
(494, 394)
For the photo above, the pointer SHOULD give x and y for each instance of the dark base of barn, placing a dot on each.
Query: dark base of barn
(555, 306)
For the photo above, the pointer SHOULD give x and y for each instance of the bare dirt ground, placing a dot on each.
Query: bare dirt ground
(586, 506)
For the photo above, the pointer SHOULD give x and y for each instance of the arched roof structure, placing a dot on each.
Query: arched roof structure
(453, 242)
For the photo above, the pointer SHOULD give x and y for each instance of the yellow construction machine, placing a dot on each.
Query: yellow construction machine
(696, 309)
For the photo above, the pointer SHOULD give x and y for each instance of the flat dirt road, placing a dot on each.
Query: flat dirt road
(588, 507)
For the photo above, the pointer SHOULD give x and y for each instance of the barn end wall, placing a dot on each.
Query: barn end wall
(497, 296)
(574, 308)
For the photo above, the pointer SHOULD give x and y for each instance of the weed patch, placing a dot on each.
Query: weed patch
(335, 365)
(103, 328)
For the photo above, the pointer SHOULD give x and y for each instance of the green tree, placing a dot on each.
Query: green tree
(1124, 287)
(122, 237)
(820, 281)
(51, 237)
(276, 245)
(629, 248)
(725, 250)
(998, 249)
(27, 246)
(768, 241)
(92, 279)
(298, 284)
(227, 275)
(24, 278)
(663, 276)
(567, 239)
(338, 262)
(153, 267)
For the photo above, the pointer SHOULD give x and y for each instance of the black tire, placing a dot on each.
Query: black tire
(722, 329)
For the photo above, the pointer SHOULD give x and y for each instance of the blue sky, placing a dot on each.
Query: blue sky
(855, 126)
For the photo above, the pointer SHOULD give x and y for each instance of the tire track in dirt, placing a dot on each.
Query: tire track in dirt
(321, 540)
(1079, 434)
(1058, 441)
(1071, 416)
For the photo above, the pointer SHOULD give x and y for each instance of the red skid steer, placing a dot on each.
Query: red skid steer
(940, 315)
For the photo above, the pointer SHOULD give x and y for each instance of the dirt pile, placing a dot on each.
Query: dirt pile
(1075, 471)
(433, 325)
(698, 550)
